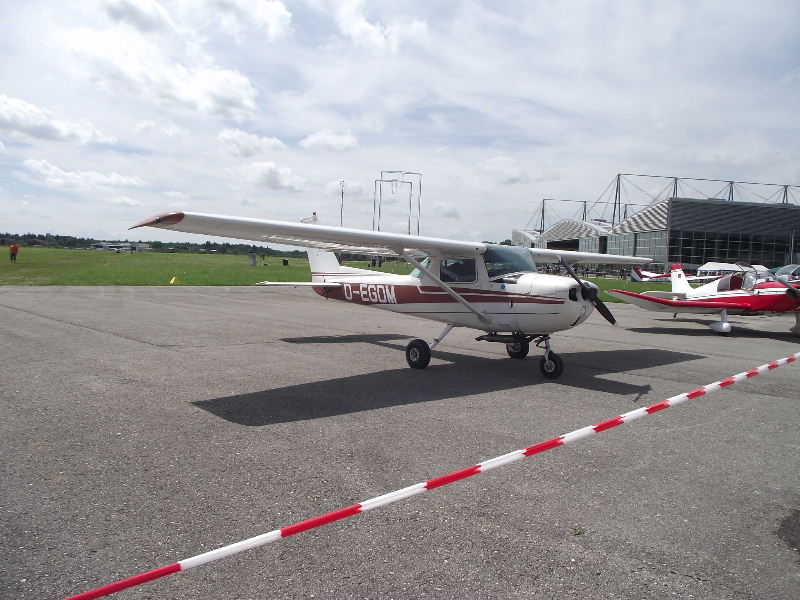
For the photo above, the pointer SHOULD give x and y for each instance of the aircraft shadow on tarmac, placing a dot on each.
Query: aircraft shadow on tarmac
(739, 329)
(463, 376)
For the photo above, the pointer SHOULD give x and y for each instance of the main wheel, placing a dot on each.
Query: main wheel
(551, 365)
(518, 349)
(418, 354)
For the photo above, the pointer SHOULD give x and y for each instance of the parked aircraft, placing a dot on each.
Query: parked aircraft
(638, 274)
(492, 288)
(788, 273)
(751, 293)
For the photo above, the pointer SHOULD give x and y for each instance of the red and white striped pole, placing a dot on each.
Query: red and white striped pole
(413, 490)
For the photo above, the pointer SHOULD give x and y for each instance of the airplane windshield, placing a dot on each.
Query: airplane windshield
(416, 272)
(501, 260)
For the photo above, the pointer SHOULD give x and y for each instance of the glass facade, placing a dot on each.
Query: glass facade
(622, 243)
(695, 248)
(651, 244)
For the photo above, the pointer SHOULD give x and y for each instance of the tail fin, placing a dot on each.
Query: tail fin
(323, 264)
(678, 278)
(637, 275)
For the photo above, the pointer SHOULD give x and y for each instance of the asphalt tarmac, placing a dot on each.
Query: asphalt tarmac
(142, 426)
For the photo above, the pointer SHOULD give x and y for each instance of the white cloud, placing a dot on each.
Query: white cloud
(241, 143)
(123, 58)
(144, 15)
(378, 38)
(329, 140)
(177, 199)
(268, 174)
(503, 170)
(125, 201)
(169, 128)
(176, 195)
(271, 15)
(446, 210)
(20, 117)
(53, 176)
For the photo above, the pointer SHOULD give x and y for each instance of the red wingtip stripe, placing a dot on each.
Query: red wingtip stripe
(161, 219)
(608, 424)
(321, 520)
(127, 583)
(451, 477)
(543, 446)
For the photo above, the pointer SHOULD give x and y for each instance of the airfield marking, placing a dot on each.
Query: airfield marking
(413, 490)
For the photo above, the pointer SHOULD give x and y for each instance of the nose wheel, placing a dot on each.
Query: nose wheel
(551, 365)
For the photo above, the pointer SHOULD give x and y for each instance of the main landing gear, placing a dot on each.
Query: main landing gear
(418, 352)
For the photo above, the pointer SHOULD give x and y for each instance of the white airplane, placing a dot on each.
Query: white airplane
(492, 288)
(638, 274)
(750, 293)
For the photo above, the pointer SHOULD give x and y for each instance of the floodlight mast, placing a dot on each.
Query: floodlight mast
(342, 185)
(377, 198)
(403, 175)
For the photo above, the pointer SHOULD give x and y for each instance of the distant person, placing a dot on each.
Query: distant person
(12, 250)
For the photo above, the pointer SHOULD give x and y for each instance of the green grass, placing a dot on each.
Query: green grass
(51, 266)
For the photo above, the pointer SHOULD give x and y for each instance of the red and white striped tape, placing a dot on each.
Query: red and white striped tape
(418, 488)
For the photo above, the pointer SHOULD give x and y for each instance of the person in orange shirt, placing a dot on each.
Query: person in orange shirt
(13, 249)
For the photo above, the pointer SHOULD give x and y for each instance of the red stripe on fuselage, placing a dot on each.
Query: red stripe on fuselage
(390, 293)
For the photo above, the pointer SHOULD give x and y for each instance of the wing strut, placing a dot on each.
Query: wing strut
(460, 299)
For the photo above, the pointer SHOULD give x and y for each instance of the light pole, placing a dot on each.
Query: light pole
(342, 185)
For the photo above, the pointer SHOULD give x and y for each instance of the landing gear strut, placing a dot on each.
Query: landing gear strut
(550, 364)
(518, 345)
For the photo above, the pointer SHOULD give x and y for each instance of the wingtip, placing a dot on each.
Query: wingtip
(161, 220)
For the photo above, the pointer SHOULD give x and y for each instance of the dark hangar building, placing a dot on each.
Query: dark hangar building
(689, 231)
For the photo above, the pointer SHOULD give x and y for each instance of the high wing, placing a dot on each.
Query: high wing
(660, 304)
(352, 240)
(548, 255)
(309, 235)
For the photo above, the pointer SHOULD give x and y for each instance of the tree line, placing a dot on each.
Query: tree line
(50, 240)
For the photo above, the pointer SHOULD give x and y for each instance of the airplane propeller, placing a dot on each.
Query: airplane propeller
(590, 293)
(790, 289)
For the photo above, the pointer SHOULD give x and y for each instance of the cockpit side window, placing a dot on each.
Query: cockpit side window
(501, 260)
(460, 270)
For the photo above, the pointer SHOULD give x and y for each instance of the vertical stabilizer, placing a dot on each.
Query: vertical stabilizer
(679, 283)
(322, 264)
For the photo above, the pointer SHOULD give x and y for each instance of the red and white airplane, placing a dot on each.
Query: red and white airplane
(748, 293)
(638, 274)
(492, 288)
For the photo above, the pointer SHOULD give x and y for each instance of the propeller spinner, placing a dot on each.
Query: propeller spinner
(590, 293)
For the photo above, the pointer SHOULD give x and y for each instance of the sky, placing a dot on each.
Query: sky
(114, 110)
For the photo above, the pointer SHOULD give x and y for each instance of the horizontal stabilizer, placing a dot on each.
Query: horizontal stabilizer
(299, 284)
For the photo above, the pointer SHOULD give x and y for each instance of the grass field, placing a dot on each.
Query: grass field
(51, 266)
